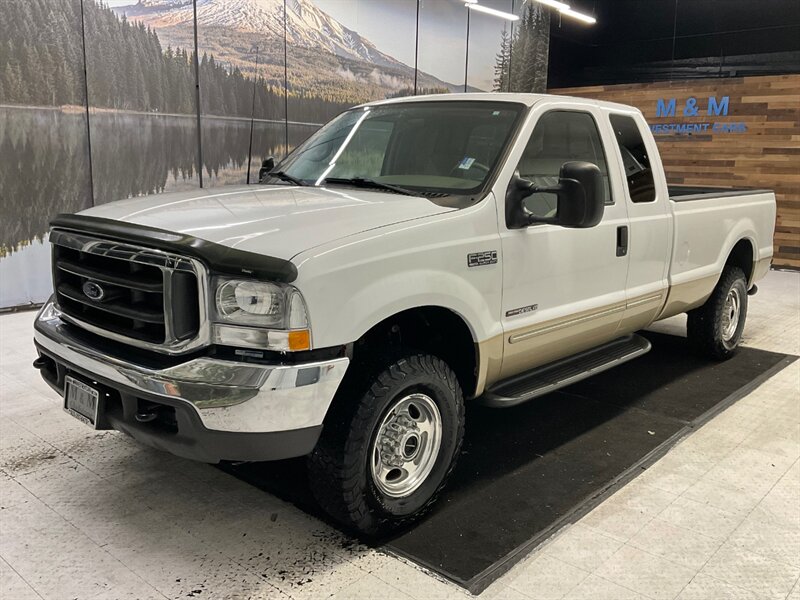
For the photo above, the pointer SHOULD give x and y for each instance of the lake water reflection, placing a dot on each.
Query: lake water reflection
(44, 166)
(44, 163)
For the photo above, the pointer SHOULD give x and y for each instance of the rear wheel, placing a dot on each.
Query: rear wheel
(715, 329)
(386, 453)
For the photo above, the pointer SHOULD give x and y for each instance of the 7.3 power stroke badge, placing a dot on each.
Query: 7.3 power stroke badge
(522, 310)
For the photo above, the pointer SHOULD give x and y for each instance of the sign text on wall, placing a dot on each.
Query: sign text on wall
(666, 108)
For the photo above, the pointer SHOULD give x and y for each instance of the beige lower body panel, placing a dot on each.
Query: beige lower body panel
(546, 347)
(533, 346)
(537, 345)
(526, 348)
(641, 311)
(688, 295)
(761, 268)
(490, 361)
(691, 294)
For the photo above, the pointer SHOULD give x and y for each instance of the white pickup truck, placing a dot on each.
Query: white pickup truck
(410, 256)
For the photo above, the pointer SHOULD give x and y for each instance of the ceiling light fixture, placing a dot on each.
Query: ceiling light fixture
(554, 4)
(490, 11)
(565, 9)
(579, 16)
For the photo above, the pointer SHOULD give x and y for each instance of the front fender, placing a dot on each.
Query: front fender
(350, 287)
(398, 292)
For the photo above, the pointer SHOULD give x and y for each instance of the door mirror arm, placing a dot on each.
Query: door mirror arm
(517, 215)
(579, 194)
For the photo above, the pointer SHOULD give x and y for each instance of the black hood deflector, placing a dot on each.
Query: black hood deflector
(219, 259)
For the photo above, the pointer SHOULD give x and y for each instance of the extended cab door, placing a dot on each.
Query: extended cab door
(563, 289)
(650, 220)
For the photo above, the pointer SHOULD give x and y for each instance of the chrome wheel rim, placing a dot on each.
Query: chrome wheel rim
(406, 445)
(730, 314)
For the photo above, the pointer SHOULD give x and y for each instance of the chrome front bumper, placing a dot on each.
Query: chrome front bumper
(228, 396)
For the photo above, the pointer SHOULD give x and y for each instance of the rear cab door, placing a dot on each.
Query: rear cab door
(563, 289)
(650, 231)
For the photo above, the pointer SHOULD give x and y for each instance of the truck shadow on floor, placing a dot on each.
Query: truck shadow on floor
(525, 468)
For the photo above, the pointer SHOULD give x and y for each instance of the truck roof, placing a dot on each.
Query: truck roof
(527, 99)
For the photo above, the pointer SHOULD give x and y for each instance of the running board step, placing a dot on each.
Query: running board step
(564, 372)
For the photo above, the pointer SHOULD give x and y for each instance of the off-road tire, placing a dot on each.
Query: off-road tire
(339, 468)
(704, 326)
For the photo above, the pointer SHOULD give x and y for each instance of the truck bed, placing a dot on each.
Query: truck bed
(705, 234)
(687, 193)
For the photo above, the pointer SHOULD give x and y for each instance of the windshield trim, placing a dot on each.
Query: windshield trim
(444, 196)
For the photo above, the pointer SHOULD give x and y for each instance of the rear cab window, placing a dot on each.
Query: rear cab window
(635, 159)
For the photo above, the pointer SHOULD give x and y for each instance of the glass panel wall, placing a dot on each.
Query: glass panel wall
(242, 102)
(141, 97)
(489, 46)
(44, 154)
(442, 46)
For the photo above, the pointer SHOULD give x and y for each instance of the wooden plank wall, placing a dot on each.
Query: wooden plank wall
(767, 155)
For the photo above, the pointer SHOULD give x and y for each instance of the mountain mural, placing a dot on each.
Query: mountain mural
(326, 58)
(307, 25)
(126, 76)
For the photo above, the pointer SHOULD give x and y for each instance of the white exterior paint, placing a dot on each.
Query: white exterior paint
(274, 220)
(363, 256)
(707, 230)
(559, 270)
(352, 285)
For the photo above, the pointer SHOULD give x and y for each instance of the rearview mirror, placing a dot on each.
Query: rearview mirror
(267, 166)
(579, 192)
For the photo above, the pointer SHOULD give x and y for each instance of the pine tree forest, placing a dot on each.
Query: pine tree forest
(127, 68)
(521, 63)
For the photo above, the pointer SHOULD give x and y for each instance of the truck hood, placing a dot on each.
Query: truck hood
(275, 220)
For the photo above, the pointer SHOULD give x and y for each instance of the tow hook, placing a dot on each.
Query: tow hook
(753, 290)
(147, 416)
(40, 363)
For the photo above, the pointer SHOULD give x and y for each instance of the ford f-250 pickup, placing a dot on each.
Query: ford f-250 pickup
(411, 255)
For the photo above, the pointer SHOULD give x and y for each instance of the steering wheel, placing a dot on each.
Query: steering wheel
(474, 165)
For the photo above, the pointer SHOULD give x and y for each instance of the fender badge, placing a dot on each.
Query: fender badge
(521, 310)
(478, 259)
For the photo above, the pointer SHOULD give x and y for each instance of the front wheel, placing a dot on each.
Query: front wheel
(715, 329)
(385, 454)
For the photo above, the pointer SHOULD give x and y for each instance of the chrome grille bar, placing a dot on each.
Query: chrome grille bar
(150, 298)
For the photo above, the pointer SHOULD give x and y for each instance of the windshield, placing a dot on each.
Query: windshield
(438, 147)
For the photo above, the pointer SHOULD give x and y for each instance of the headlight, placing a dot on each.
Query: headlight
(257, 303)
(274, 315)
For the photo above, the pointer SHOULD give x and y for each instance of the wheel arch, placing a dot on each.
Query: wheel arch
(743, 255)
(429, 329)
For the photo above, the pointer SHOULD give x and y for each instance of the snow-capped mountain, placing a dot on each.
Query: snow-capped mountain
(162, 3)
(307, 25)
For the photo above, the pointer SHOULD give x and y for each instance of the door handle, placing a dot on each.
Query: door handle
(622, 240)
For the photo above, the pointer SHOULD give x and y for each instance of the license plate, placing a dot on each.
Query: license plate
(81, 400)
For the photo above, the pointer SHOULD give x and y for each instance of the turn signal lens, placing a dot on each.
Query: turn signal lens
(263, 339)
(299, 339)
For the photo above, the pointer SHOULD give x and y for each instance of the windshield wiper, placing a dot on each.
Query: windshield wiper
(284, 176)
(371, 183)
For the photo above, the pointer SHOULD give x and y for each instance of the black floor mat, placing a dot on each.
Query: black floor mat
(528, 470)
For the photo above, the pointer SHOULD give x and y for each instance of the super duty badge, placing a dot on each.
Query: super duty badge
(478, 259)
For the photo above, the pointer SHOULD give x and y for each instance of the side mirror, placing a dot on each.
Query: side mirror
(579, 192)
(267, 166)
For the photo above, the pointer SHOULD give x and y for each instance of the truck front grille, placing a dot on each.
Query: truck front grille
(143, 296)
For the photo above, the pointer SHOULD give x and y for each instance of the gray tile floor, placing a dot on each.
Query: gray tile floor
(94, 515)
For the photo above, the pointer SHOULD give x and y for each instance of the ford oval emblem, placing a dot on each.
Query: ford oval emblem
(93, 291)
